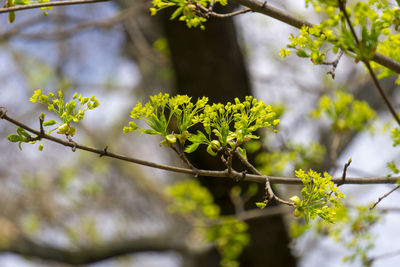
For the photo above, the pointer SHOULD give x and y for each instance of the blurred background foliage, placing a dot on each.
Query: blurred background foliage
(56, 201)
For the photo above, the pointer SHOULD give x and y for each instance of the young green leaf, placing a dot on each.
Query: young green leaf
(22, 132)
(261, 205)
(49, 123)
(14, 138)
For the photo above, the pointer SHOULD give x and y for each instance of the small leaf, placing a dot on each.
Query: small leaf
(301, 53)
(149, 131)
(261, 205)
(192, 148)
(22, 132)
(40, 147)
(14, 138)
(11, 17)
(48, 123)
(176, 13)
(211, 151)
(42, 115)
(242, 151)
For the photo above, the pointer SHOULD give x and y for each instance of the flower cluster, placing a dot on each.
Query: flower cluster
(67, 112)
(320, 196)
(225, 126)
(345, 112)
(244, 117)
(162, 111)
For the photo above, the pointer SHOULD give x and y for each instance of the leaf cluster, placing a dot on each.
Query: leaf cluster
(21, 136)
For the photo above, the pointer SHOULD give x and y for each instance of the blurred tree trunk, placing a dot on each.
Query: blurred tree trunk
(210, 63)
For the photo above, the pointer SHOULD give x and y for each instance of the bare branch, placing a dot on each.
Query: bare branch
(269, 192)
(384, 196)
(207, 173)
(334, 64)
(50, 4)
(344, 173)
(381, 92)
(207, 12)
(385, 256)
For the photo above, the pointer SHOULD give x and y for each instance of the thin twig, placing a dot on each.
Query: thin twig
(385, 255)
(382, 93)
(344, 173)
(210, 8)
(207, 173)
(334, 64)
(384, 196)
(183, 157)
(80, 27)
(269, 192)
(49, 4)
(3, 111)
(207, 12)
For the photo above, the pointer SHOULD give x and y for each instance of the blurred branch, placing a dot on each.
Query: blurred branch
(93, 253)
(234, 175)
(264, 8)
(384, 256)
(65, 33)
(257, 213)
(49, 4)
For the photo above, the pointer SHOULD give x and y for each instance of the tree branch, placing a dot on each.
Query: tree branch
(207, 173)
(70, 31)
(49, 4)
(27, 247)
(384, 196)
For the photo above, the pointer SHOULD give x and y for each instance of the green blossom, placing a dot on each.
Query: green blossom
(320, 197)
(345, 112)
